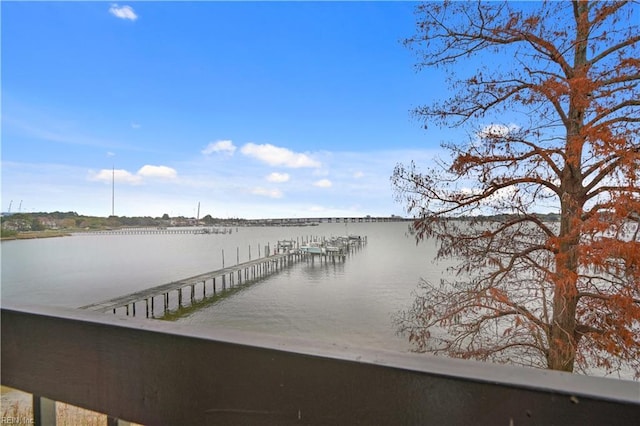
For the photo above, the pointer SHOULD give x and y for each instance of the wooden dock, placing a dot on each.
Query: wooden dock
(213, 282)
(188, 291)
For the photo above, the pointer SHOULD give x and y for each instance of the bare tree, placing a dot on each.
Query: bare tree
(559, 294)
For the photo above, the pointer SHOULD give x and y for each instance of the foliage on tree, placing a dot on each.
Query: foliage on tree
(553, 118)
(36, 225)
(7, 233)
(61, 215)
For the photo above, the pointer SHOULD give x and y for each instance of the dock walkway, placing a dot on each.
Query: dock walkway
(287, 253)
(231, 275)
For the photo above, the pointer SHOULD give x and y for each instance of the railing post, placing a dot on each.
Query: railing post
(44, 411)
(113, 421)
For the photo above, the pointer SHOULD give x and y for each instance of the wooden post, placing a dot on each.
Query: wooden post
(44, 411)
(112, 421)
(223, 258)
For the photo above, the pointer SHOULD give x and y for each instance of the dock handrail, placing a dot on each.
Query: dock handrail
(156, 372)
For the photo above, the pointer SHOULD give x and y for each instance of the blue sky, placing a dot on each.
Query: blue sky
(266, 109)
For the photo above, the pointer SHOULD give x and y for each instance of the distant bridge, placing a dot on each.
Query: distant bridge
(311, 220)
(158, 230)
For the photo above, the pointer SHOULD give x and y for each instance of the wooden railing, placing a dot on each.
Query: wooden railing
(160, 373)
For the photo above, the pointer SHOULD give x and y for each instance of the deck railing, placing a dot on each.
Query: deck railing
(160, 373)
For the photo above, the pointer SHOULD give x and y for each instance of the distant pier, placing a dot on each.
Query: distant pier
(158, 230)
(157, 300)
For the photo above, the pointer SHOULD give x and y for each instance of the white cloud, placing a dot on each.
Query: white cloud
(497, 130)
(358, 175)
(124, 176)
(157, 172)
(135, 125)
(118, 175)
(278, 177)
(277, 156)
(123, 12)
(271, 193)
(323, 183)
(138, 195)
(226, 147)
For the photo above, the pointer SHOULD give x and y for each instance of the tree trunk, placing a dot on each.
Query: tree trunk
(563, 345)
(562, 336)
(563, 339)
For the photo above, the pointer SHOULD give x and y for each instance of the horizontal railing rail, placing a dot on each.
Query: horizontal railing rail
(160, 373)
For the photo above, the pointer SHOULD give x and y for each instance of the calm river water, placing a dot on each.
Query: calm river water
(347, 303)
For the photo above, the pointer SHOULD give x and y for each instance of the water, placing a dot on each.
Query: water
(347, 303)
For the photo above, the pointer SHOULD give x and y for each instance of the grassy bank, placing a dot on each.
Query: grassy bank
(17, 409)
(28, 235)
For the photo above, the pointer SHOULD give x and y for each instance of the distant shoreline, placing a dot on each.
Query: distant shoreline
(31, 235)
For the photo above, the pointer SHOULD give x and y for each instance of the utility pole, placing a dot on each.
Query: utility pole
(113, 189)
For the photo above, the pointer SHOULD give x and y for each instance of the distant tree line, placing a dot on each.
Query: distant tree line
(72, 221)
